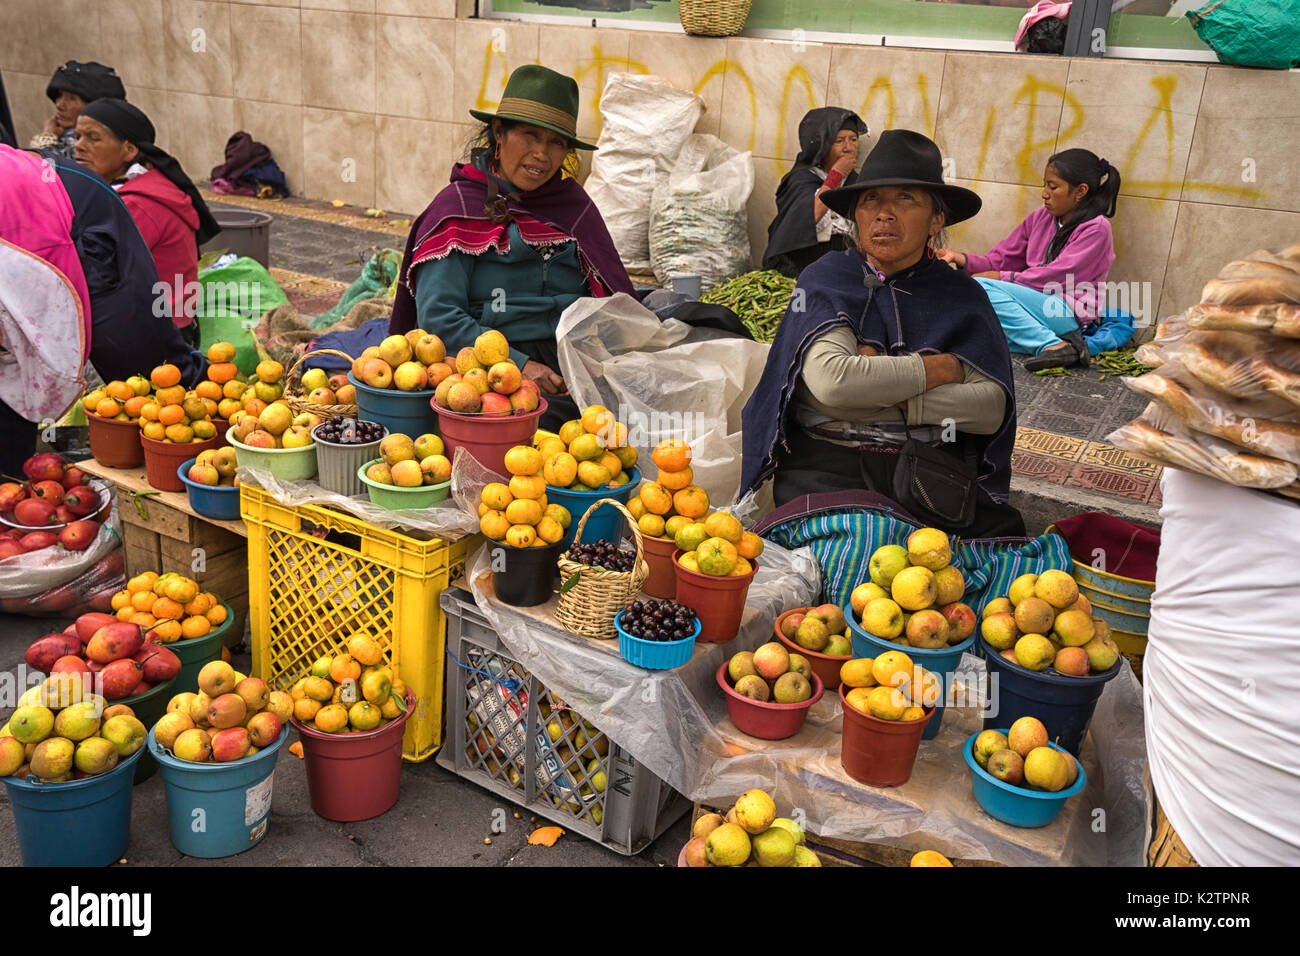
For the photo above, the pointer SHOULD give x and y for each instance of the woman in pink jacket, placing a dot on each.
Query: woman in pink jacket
(1047, 279)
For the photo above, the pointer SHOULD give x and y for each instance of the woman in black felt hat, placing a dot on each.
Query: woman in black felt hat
(116, 140)
(890, 363)
(74, 85)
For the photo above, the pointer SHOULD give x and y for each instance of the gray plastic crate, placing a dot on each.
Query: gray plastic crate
(497, 736)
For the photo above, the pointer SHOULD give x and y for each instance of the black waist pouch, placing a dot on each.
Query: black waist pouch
(936, 486)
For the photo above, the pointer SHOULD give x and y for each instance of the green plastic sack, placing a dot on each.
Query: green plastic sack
(232, 301)
(378, 279)
(1251, 33)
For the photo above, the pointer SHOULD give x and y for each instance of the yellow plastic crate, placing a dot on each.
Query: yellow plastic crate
(318, 576)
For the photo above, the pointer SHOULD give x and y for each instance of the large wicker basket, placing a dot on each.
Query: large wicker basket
(299, 403)
(713, 18)
(589, 606)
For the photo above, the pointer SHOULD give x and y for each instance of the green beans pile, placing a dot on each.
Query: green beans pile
(1119, 362)
(759, 299)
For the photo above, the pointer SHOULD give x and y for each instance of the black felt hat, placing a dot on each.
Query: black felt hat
(902, 157)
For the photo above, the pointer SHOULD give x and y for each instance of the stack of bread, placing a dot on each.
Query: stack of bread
(1225, 385)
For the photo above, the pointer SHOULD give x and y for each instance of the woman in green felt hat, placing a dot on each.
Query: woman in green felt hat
(511, 242)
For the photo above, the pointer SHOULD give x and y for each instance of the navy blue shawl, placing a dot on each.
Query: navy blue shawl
(927, 308)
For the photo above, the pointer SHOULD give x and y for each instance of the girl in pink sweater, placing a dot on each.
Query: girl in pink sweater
(1047, 279)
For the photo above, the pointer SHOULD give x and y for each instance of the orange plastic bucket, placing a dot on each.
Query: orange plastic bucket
(162, 459)
(879, 753)
(662, 582)
(115, 443)
(719, 602)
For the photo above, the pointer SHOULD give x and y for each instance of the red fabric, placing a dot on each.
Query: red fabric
(167, 221)
(1129, 550)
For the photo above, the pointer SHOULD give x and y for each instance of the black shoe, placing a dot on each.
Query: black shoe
(1074, 352)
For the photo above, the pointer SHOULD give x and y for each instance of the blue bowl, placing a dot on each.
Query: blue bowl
(1064, 704)
(941, 660)
(606, 522)
(220, 502)
(1118, 601)
(1018, 806)
(655, 655)
(406, 413)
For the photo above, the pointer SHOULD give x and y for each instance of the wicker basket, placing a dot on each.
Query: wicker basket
(713, 18)
(299, 403)
(589, 607)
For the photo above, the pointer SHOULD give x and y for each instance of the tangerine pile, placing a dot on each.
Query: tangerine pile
(587, 453)
(171, 607)
(518, 513)
(118, 400)
(352, 692)
(890, 686)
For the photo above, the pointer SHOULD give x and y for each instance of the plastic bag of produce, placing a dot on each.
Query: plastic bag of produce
(698, 223)
(85, 583)
(645, 121)
(1250, 33)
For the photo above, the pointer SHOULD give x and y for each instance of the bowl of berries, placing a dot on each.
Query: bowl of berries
(656, 635)
(342, 446)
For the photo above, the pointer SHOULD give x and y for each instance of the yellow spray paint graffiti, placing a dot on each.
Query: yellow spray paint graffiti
(1034, 99)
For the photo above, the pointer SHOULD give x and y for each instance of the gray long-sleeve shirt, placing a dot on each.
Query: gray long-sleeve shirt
(844, 386)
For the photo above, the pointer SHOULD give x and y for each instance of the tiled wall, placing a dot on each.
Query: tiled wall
(366, 101)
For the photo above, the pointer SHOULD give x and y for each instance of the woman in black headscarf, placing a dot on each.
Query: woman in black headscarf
(116, 140)
(805, 229)
(71, 88)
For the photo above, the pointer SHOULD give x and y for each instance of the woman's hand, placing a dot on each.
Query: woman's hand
(992, 274)
(53, 126)
(950, 255)
(846, 163)
(550, 382)
(867, 350)
(942, 369)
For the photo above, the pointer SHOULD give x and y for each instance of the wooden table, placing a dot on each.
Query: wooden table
(161, 532)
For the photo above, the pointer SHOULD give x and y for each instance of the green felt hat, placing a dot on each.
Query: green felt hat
(542, 98)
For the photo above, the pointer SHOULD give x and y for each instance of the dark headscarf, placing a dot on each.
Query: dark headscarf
(560, 203)
(129, 123)
(926, 308)
(793, 228)
(91, 81)
(128, 332)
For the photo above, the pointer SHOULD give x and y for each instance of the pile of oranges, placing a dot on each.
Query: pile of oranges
(352, 692)
(122, 401)
(518, 513)
(666, 505)
(587, 453)
(171, 607)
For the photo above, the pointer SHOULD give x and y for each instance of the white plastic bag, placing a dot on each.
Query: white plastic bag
(663, 379)
(645, 121)
(698, 222)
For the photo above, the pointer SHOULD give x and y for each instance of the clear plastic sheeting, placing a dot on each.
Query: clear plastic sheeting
(663, 379)
(664, 718)
(675, 723)
(443, 518)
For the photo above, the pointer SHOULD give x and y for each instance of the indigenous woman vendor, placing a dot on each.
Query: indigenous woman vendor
(70, 89)
(891, 344)
(805, 228)
(116, 140)
(510, 243)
